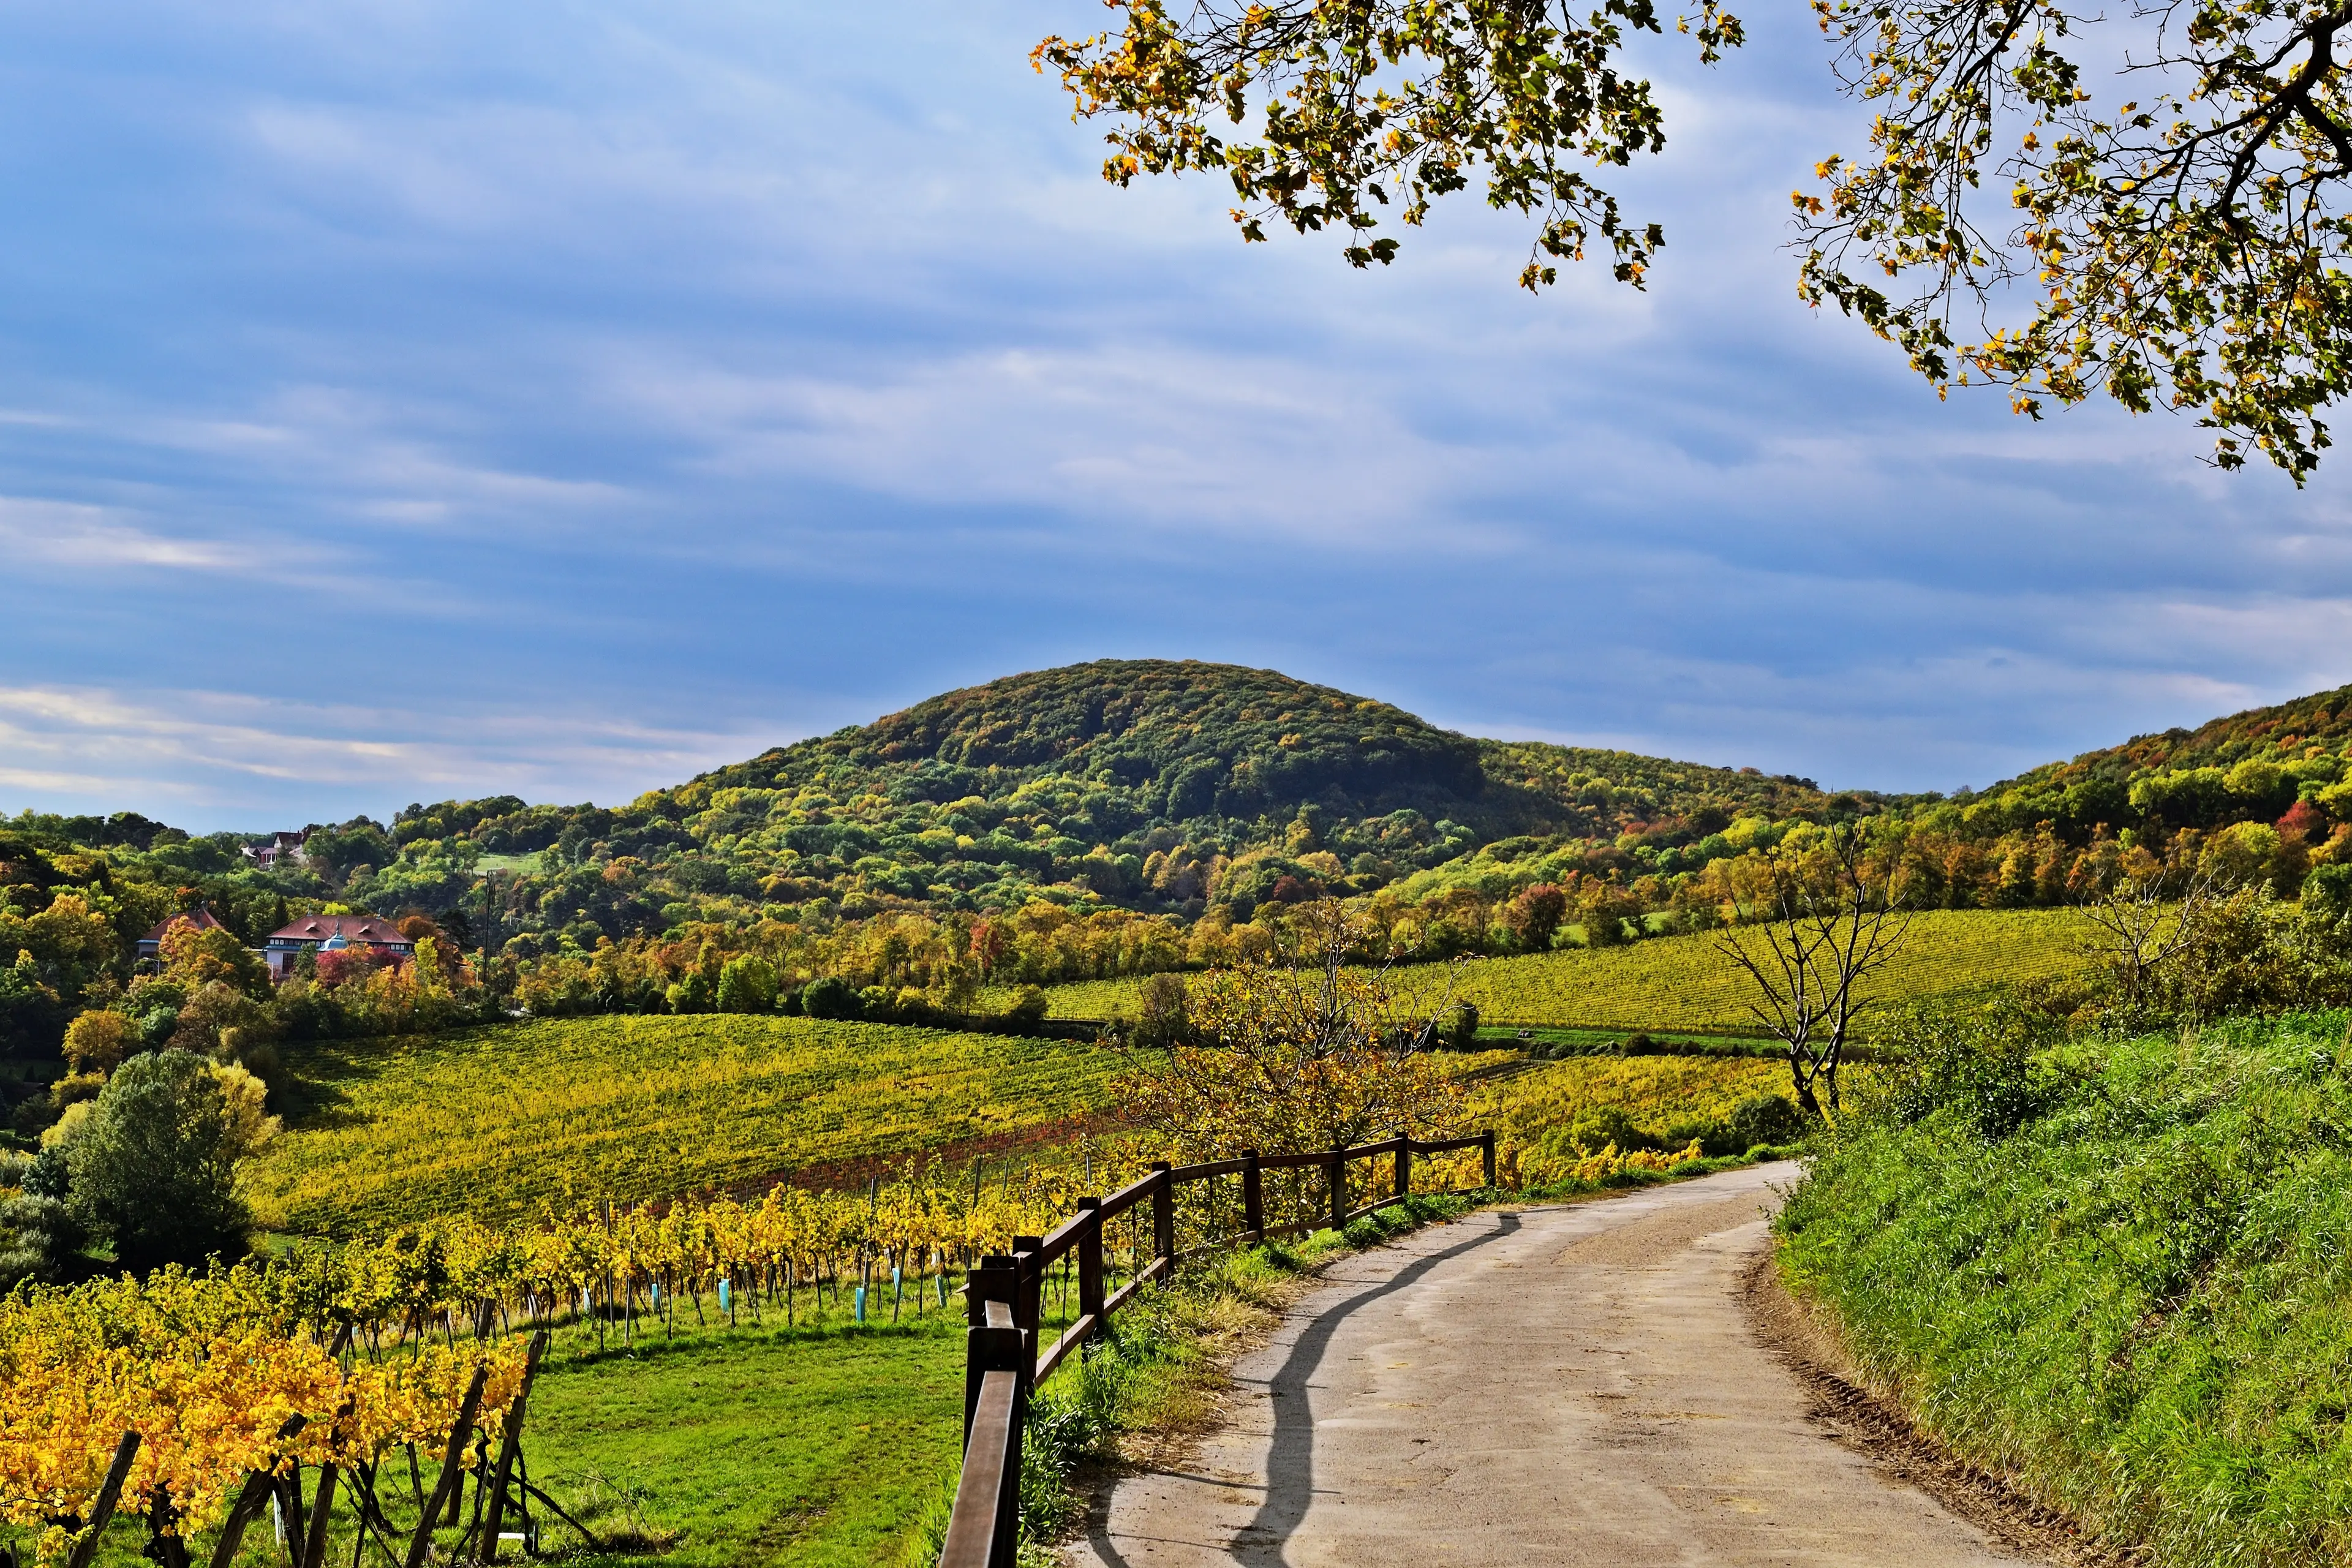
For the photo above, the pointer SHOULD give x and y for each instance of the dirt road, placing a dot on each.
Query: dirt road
(1573, 1385)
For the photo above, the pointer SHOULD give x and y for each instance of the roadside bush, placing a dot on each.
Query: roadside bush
(1760, 1119)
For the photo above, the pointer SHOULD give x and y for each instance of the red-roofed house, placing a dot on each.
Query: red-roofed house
(151, 944)
(282, 847)
(332, 933)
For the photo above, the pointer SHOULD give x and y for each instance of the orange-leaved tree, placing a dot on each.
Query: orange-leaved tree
(1307, 1050)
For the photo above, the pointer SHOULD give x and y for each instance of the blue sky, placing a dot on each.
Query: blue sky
(400, 401)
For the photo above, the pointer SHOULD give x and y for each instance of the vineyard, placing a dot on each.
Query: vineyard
(521, 1120)
(194, 1401)
(1683, 983)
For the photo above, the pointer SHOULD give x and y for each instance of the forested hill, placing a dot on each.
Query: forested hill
(2283, 766)
(1144, 784)
(1149, 785)
(1160, 803)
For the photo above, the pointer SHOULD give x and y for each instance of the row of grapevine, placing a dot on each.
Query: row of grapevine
(215, 1382)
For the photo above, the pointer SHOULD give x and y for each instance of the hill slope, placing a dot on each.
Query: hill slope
(1119, 817)
(1145, 785)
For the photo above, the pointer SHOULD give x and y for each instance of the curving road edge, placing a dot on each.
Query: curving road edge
(1578, 1384)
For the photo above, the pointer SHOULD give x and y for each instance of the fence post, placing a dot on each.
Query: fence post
(1164, 1216)
(1338, 1186)
(1090, 1263)
(1253, 1198)
(1404, 1166)
(1028, 1285)
(984, 1347)
(1486, 1143)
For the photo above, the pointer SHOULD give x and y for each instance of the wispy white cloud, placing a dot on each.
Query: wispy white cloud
(66, 534)
(207, 751)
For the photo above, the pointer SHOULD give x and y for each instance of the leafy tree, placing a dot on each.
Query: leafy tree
(1531, 92)
(195, 957)
(1536, 914)
(30, 1012)
(1163, 1019)
(1029, 1008)
(747, 985)
(2177, 237)
(39, 1237)
(152, 1169)
(96, 1041)
(831, 997)
(1295, 1055)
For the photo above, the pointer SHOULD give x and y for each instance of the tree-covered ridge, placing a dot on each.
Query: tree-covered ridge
(1126, 816)
(1149, 785)
(2249, 767)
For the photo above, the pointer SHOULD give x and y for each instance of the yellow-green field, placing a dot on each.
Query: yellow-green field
(502, 1121)
(1654, 1093)
(1684, 982)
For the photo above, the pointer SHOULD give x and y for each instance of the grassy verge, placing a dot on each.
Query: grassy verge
(2119, 1273)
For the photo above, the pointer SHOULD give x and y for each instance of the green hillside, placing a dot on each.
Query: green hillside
(1112, 820)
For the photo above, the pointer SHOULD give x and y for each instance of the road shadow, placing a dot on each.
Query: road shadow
(1290, 1455)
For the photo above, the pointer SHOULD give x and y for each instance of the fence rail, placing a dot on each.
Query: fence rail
(1004, 1360)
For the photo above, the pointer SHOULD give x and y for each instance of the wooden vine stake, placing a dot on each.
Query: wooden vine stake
(101, 1510)
(250, 1502)
(509, 1445)
(452, 1464)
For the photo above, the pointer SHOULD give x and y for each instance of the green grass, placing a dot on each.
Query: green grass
(501, 1121)
(526, 865)
(1682, 982)
(757, 1447)
(2120, 1273)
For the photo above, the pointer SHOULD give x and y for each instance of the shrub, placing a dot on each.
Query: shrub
(1760, 1119)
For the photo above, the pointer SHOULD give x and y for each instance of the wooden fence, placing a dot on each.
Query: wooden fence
(1004, 1360)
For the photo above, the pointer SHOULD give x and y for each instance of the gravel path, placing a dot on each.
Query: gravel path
(1572, 1385)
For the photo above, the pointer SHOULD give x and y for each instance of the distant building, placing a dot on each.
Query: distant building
(151, 944)
(332, 933)
(285, 847)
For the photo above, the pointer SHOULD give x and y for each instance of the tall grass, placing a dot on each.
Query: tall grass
(2120, 1272)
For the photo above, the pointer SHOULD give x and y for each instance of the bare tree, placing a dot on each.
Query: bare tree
(2136, 926)
(1835, 928)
